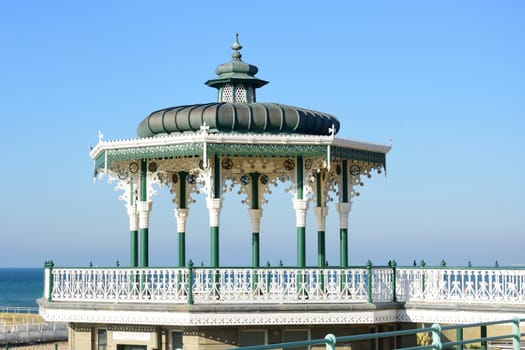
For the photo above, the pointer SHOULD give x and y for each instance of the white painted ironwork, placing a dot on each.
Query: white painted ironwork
(471, 285)
(130, 285)
(289, 285)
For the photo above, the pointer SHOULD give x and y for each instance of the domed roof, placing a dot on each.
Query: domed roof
(237, 109)
(226, 117)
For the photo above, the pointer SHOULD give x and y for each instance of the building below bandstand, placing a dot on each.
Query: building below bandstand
(201, 152)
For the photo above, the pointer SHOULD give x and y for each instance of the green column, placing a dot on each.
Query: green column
(255, 249)
(182, 199)
(343, 244)
(321, 250)
(143, 229)
(143, 241)
(300, 177)
(343, 231)
(254, 203)
(301, 247)
(134, 251)
(320, 213)
(214, 242)
(182, 249)
(301, 230)
(214, 208)
(133, 228)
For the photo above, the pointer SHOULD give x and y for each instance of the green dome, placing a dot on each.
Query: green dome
(272, 118)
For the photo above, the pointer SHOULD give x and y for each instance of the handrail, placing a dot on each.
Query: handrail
(18, 310)
(331, 340)
(365, 284)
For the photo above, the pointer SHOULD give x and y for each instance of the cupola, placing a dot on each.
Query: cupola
(236, 82)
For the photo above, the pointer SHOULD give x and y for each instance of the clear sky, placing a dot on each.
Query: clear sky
(445, 80)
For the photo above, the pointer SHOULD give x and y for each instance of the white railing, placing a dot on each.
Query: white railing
(286, 285)
(471, 285)
(129, 285)
(279, 285)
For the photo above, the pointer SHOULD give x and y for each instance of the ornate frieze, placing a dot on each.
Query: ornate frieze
(186, 318)
(244, 145)
(320, 317)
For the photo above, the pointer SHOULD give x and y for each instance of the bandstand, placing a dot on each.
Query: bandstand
(213, 148)
(203, 151)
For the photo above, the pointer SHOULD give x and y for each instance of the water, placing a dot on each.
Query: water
(21, 286)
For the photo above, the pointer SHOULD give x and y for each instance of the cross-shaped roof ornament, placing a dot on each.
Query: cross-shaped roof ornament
(332, 131)
(205, 128)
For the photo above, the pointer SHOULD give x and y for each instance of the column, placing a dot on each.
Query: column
(214, 204)
(134, 234)
(214, 207)
(321, 213)
(144, 208)
(181, 214)
(343, 208)
(255, 217)
(300, 206)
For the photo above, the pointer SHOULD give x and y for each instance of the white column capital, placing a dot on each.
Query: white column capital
(181, 215)
(343, 208)
(133, 217)
(255, 216)
(214, 207)
(144, 209)
(321, 213)
(300, 206)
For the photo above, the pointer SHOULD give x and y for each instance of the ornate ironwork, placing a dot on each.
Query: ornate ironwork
(290, 285)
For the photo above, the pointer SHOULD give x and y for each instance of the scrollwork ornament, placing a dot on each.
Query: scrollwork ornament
(289, 164)
(308, 164)
(264, 179)
(122, 175)
(245, 180)
(355, 169)
(191, 179)
(227, 163)
(152, 167)
(133, 167)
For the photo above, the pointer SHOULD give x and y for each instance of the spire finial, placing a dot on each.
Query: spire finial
(236, 47)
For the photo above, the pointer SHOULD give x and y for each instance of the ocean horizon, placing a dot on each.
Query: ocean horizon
(21, 287)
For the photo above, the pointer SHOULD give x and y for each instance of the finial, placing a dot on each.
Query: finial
(332, 131)
(236, 47)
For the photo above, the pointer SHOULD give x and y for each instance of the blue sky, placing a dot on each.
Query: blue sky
(445, 80)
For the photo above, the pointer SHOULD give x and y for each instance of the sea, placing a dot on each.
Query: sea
(21, 287)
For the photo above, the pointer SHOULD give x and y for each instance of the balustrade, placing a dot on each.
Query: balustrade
(286, 285)
(471, 285)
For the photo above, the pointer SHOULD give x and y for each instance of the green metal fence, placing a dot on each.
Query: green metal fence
(331, 341)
